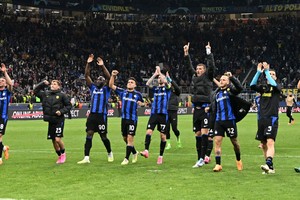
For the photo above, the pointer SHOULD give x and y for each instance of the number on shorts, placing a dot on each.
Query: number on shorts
(205, 121)
(162, 126)
(101, 127)
(131, 127)
(230, 131)
(58, 130)
(1, 126)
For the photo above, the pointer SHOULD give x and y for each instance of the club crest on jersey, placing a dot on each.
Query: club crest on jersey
(4, 93)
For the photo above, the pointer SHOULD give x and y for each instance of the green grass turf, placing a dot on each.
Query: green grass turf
(31, 172)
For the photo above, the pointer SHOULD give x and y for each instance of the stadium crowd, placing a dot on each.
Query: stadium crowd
(42, 47)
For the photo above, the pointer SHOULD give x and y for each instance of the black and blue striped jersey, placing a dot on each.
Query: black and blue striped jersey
(161, 96)
(99, 100)
(5, 96)
(224, 107)
(129, 103)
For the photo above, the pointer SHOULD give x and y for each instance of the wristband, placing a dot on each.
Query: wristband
(208, 51)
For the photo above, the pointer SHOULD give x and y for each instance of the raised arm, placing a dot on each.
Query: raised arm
(150, 80)
(37, 90)
(102, 66)
(268, 76)
(176, 90)
(236, 86)
(216, 82)
(7, 78)
(113, 76)
(87, 71)
(211, 67)
(187, 59)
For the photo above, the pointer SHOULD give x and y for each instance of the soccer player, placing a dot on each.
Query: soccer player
(202, 89)
(297, 169)
(269, 104)
(6, 87)
(130, 99)
(159, 113)
(224, 106)
(97, 119)
(290, 101)
(55, 104)
(172, 113)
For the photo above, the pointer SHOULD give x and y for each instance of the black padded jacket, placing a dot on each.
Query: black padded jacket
(202, 85)
(53, 101)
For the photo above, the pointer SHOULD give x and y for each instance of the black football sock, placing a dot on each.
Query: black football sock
(133, 150)
(210, 145)
(177, 133)
(198, 146)
(87, 146)
(237, 152)
(204, 145)
(162, 147)
(106, 143)
(218, 160)
(58, 152)
(1, 149)
(168, 135)
(269, 162)
(62, 151)
(147, 141)
(128, 151)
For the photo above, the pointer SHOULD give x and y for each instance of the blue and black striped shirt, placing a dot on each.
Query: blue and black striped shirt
(129, 103)
(99, 100)
(161, 96)
(224, 108)
(5, 96)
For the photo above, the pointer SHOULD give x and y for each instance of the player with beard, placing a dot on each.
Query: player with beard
(227, 109)
(268, 121)
(97, 119)
(159, 113)
(130, 99)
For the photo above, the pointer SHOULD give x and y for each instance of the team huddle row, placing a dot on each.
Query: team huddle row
(215, 112)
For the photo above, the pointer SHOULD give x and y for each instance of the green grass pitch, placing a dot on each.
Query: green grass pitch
(31, 172)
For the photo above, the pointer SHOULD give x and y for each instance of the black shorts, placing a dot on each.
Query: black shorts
(55, 130)
(200, 119)
(211, 133)
(228, 126)
(158, 119)
(97, 122)
(128, 127)
(3, 123)
(172, 119)
(267, 128)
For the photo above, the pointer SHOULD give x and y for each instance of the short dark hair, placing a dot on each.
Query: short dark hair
(132, 78)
